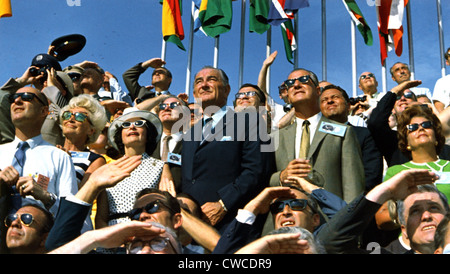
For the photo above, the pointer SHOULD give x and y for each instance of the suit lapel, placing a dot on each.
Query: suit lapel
(318, 137)
(287, 139)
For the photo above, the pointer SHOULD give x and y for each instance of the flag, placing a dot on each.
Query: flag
(216, 16)
(290, 44)
(258, 13)
(172, 26)
(5, 8)
(390, 28)
(282, 10)
(197, 22)
(358, 18)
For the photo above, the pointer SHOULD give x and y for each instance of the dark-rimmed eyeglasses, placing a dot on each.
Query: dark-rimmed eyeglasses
(156, 244)
(26, 219)
(355, 100)
(150, 208)
(79, 116)
(408, 95)
(414, 127)
(138, 123)
(303, 79)
(170, 105)
(240, 95)
(294, 204)
(364, 76)
(25, 96)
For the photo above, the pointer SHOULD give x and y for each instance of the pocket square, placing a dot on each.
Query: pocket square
(226, 138)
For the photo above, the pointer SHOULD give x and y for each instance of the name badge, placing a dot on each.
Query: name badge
(174, 158)
(80, 154)
(335, 129)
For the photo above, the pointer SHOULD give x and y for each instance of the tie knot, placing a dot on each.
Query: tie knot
(23, 145)
(207, 120)
(306, 123)
(167, 138)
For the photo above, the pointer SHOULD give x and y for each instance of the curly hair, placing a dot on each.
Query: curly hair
(405, 119)
(96, 113)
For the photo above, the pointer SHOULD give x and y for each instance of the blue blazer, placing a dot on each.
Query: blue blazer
(68, 224)
(230, 166)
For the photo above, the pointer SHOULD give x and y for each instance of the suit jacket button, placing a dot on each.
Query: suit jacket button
(193, 181)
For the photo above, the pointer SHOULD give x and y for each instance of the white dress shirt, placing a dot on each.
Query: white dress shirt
(47, 160)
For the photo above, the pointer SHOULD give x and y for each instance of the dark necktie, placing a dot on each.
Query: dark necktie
(304, 145)
(207, 127)
(18, 163)
(165, 151)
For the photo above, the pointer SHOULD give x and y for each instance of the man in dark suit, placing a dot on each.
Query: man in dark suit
(335, 105)
(222, 167)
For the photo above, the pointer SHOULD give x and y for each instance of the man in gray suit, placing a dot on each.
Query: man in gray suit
(329, 154)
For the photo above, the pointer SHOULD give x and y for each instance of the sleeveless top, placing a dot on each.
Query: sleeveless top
(122, 196)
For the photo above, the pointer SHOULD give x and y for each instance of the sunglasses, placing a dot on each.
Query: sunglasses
(74, 76)
(138, 123)
(156, 244)
(26, 219)
(303, 79)
(79, 116)
(364, 76)
(294, 204)
(170, 105)
(240, 95)
(408, 95)
(414, 127)
(25, 96)
(150, 208)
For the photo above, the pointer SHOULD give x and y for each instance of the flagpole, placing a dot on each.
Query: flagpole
(241, 53)
(216, 52)
(441, 36)
(191, 43)
(268, 51)
(353, 34)
(163, 49)
(324, 41)
(410, 40)
(297, 40)
(383, 76)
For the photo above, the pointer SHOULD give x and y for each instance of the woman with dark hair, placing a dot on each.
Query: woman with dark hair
(420, 136)
(136, 132)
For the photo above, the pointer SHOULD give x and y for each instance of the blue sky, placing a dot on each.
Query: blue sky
(122, 33)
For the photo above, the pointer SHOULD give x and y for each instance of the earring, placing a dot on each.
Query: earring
(408, 148)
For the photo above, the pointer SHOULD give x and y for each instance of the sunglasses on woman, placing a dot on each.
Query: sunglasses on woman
(303, 79)
(240, 95)
(79, 116)
(414, 127)
(294, 204)
(25, 96)
(156, 244)
(26, 219)
(138, 123)
(150, 208)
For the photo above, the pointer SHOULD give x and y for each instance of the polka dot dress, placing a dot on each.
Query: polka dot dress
(122, 196)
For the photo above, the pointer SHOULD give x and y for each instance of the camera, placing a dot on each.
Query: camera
(287, 107)
(355, 100)
(38, 71)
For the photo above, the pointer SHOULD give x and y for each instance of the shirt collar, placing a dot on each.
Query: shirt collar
(32, 142)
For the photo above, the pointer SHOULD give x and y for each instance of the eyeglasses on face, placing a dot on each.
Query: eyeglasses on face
(408, 95)
(294, 204)
(157, 244)
(364, 76)
(240, 95)
(26, 219)
(138, 123)
(303, 79)
(170, 105)
(25, 96)
(79, 116)
(150, 208)
(414, 127)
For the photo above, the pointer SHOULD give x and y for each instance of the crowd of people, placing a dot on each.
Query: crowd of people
(89, 166)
